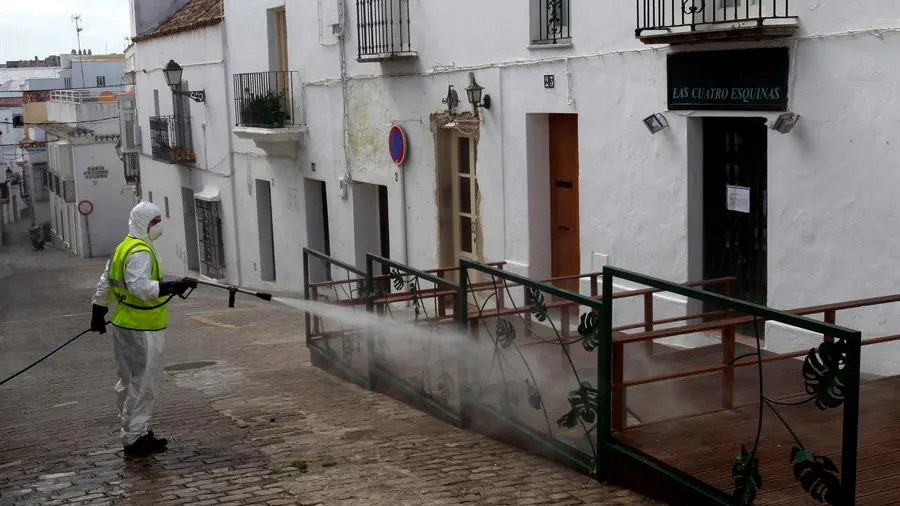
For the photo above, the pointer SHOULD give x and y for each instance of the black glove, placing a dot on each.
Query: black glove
(98, 318)
(177, 287)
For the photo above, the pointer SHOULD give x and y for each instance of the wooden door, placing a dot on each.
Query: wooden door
(565, 243)
(466, 243)
(465, 199)
(734, 209)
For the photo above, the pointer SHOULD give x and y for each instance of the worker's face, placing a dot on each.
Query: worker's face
(154, 230)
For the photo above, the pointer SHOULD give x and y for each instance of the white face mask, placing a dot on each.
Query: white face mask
(155, 231)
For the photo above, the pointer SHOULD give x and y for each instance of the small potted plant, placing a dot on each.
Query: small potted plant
(265, 109)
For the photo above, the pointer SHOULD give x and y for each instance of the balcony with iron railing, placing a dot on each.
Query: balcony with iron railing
(171, 139)
(267, 109)
(383, 30)
(696, 21)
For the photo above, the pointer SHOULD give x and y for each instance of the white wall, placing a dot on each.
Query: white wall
(201, 54)
(111, 197)
(112, 72)
(831, 199)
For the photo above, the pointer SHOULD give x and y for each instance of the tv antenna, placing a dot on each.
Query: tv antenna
(76, 18)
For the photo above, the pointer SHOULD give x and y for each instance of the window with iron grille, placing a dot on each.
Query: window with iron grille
(4, 192)
(24, 186)
(69, 191)
(212, 246)
(132, 163)
(550, 22)
(383, 29)
(41, 180)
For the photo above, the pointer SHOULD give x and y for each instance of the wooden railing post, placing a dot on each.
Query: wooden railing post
(648, 321)
(728, 373)
(830, 317)
(619, 410)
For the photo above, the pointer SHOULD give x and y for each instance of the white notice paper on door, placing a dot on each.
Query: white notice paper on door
(738, 198)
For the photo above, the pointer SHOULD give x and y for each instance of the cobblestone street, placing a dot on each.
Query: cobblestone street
(250, 421)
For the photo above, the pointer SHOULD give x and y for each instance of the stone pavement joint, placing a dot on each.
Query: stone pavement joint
(260, 426)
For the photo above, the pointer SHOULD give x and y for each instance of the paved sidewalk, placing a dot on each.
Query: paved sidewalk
(250, 421)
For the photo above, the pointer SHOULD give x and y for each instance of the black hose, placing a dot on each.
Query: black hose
(63, 345)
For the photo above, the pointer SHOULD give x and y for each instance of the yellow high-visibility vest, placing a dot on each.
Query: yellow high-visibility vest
(155, 314)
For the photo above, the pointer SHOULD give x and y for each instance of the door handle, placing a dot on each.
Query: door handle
(567, 229)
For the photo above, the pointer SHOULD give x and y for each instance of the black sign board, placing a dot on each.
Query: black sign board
(743, 79)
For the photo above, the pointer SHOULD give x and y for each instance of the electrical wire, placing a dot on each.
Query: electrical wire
(97, 120)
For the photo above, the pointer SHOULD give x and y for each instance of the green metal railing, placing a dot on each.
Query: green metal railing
(525, 384)
(333, 345)
(417, 361)
(831, 373)
(533, 364)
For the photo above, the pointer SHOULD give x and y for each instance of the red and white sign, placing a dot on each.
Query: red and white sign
(85, 207)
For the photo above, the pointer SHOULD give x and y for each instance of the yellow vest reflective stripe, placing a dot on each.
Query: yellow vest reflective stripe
(132, 312)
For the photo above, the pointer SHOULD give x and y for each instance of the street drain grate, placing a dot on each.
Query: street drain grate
(186, 366)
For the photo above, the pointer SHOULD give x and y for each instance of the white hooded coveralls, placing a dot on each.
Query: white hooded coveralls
(138, 353)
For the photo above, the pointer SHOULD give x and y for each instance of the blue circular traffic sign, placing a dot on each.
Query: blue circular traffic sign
(397, 144)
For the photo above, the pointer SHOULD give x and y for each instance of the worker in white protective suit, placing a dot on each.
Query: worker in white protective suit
(133, 279)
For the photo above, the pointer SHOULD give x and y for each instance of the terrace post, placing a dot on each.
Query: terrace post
(850, 436)
(604, 371)
(306, 315)
(462, 319)
(369, 295)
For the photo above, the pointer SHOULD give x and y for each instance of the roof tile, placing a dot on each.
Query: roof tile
(196, 14)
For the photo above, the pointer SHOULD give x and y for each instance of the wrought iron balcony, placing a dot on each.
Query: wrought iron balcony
(691, 21)
(171, 139)
(265, 99)
(132, 164)
(382, 30)
(552, 22)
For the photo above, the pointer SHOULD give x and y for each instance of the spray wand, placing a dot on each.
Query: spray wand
(232, 290)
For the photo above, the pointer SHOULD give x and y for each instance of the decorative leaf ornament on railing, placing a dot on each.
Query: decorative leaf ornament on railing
(823, 370)
(510, 336)
(824, 377)
(440, 390)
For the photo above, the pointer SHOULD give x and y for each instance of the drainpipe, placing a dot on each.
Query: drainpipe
(403, 203)
(231, 178)
(342, 16)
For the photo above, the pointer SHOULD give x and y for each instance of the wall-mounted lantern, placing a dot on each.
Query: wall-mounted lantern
(656, 123)
(452, 99)
(475, 94)
(173, 72)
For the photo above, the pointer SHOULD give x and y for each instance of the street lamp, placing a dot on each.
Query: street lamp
(474, 93)
(173, 72)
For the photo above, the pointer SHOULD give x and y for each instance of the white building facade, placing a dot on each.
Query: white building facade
(567, 177)
(89, 197)
(184, 139)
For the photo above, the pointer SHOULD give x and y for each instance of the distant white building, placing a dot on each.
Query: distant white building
(13, 195)
(90, 199)
(64, 72)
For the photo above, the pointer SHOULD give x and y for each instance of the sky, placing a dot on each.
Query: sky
(30, 28)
